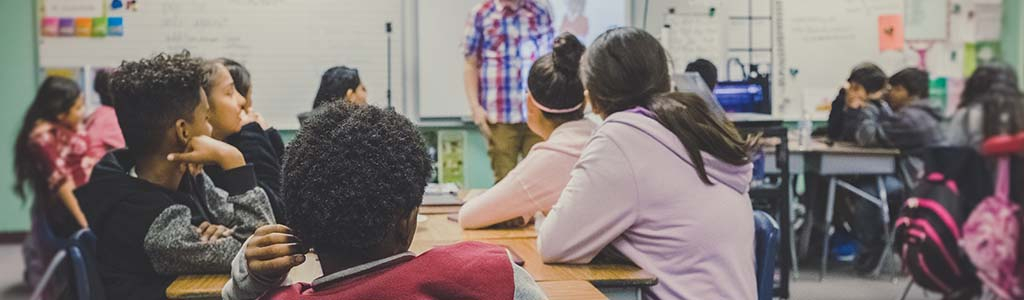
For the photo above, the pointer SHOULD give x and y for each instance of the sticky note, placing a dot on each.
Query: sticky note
(99, 27)
(115, 26)
(890, 32)
(970, 59)
(66, 27)
(50, 26)
(83, 27)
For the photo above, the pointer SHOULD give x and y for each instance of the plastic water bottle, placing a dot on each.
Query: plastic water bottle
(805, 128)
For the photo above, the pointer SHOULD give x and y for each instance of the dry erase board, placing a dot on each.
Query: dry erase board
(286, 44)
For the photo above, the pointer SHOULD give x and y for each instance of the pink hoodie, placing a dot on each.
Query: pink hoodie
(535, 184)
(635, 189)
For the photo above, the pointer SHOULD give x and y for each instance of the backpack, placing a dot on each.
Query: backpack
(990, 238)
(926, 234)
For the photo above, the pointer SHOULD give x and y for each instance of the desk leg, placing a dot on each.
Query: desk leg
(883, 195)
(794, 266)
(829, 206)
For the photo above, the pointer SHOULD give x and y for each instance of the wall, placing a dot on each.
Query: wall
(17, 82)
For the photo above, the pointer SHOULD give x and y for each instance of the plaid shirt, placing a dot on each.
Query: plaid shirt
(506, 40)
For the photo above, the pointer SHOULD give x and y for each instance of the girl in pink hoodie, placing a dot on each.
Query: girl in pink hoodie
(555, 114)
(663, 181)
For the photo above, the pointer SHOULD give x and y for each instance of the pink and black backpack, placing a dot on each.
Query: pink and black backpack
(992, 231)
(926, 235)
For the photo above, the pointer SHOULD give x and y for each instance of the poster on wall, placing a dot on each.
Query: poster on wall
(588, 19)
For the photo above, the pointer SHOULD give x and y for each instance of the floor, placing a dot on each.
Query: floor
(840, 284)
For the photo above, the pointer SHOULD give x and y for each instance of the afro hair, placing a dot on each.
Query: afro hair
(152, 94)
(352, 172)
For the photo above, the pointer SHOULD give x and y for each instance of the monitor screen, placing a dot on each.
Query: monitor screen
(738, 96)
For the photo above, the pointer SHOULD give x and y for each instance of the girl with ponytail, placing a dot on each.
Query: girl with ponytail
(555, 113)
(663, 181)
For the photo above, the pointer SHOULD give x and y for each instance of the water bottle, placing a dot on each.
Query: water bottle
(805, 129)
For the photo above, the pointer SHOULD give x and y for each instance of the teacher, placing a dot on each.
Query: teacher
(503, 38)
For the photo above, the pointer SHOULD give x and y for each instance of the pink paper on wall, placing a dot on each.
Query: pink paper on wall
(890, 32)
(51, 26)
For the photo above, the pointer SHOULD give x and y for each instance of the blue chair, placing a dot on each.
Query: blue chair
(766, 236)
(82, 253)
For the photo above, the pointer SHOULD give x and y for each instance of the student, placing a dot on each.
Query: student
(338, 83)
(357, 206)
(968, 127)
(243, 85)
(154, 212)
(262, 148)
(866, 85)
(907, 120)
(555, 113)
(102, 124)
(663, 181)
(52, 157)
(707, 71)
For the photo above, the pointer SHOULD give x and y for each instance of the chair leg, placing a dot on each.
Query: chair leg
(792, 233)
(907, 290)
(51, 270)
(828, 225)
(883, 195)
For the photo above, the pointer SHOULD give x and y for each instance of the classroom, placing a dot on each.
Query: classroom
(512, 149)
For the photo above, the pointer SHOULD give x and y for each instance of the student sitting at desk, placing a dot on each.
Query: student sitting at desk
(555, 104)
(338, 84)
(990, 86)
(907, 120)
(243, 84)
(664, 180)
(154, 212)
(357, 206)
(866, 84)
(243, 128)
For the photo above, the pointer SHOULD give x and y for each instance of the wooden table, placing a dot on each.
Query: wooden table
(209, 287)
(464, 195)
(438, 228)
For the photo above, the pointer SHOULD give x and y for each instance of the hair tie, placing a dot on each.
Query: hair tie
(557, 111)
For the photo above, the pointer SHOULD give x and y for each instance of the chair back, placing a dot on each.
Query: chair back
(766, 236)
(85, 273)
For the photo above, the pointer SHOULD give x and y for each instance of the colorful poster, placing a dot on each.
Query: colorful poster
(69, 73)
(50, 26)
(970, 59)
(115, 26)
(66, 27)
(452, 144)
(83, 27)
(99, 27)
(890, 32)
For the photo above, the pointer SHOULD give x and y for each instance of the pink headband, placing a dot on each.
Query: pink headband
(557, 111)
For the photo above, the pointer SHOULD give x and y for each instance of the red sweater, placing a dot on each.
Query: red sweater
(468, 270)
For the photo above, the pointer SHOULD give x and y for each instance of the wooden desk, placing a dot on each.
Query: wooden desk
(601, 275)
(464, 195)
(438, 228)
(209, 287)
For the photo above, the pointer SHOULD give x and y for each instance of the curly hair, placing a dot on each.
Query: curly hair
(152, 94)
(351, 172)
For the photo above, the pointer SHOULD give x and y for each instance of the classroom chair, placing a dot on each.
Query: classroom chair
(778, 196)
(766, 236)
(73, 271)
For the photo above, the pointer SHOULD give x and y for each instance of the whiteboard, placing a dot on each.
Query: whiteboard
(821, 41)
(694, 36)
(286, 44)
(441, 28)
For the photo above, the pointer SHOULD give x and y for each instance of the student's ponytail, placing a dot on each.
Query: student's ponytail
(555, 83)
(627, 67)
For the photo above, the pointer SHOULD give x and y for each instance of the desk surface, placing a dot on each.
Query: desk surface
(615, 275)
(438, 228)
(464, 195)
(209, 286)
(819, 146)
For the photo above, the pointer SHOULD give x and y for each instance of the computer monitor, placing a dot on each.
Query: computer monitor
(740, 96)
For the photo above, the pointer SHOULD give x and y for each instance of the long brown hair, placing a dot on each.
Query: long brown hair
(55, 96)
(627, 67)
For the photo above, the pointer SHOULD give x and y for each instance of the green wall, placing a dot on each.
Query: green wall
(17, 85)
(18, 82)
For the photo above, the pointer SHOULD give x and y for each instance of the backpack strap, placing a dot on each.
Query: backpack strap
(1002, 191)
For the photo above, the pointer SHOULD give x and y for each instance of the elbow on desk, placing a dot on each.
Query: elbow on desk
(553, 252)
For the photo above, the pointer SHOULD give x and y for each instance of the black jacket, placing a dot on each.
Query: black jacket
(146, 233)
(262, 149)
